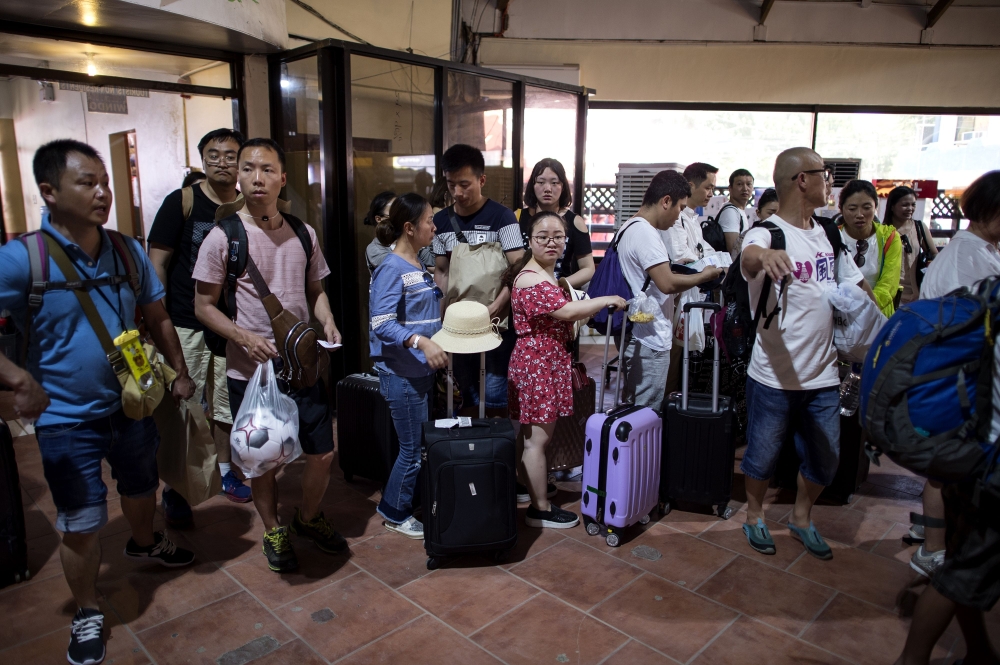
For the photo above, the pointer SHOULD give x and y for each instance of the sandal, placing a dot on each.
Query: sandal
(813, 542)
(759, 537)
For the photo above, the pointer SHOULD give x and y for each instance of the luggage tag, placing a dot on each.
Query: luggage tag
(449, 423)
(135, 357)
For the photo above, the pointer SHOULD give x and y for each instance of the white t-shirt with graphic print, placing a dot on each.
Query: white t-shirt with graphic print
(797, 352)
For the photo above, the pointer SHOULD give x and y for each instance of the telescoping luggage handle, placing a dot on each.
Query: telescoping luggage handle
(621, 359)
(715, 307)
(482, 385)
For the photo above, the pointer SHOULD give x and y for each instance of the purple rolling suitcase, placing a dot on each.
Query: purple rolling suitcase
(621, 464)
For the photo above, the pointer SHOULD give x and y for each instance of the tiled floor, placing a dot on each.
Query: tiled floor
(563, 597)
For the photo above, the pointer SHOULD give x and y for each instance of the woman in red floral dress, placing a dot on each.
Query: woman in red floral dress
(539, 387)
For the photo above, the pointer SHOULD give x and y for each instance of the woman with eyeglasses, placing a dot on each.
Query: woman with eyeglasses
(548, 191)
(876, 248)
(405, 307)
(540, 385)
(376, 252)
(918, 246)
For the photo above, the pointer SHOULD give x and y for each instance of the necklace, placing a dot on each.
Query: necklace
(265, 218)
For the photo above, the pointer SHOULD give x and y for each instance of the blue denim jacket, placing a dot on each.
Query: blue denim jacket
(402, 303)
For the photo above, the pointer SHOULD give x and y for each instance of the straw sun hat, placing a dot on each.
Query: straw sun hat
(467, 329)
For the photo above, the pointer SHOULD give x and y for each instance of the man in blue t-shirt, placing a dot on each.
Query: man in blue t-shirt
(71, 387)
(479, 220)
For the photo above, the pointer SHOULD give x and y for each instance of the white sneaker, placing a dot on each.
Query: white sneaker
(411, 528)
(925, 562)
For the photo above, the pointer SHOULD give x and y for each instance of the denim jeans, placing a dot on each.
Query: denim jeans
(814, 417)
(408, 403)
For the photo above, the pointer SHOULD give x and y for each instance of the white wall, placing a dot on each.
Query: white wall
(157, 120)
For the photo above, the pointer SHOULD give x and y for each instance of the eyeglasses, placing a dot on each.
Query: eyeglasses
(859, 258)
(545, 240)
(229, 160)
(429, 281)
(826, 174)
(907, 247)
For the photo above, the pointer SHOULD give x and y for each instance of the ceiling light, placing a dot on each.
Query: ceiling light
(88, 13)
(91, 65)
(286, 84)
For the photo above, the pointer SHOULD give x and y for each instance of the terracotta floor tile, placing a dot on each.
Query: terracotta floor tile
(889, 504)
(355, 518)
(860, 632)
(229, 541)
(729, 534)
(531, 541)
(32, 610)
(894, 547)
(43, 557)
(423, 642)
(683, 559)
(748, 641)
(153, 594)
(782, 600)
(346, 615)
(664, 616)
(689, 522)
(295, 652)
(316, 570)
(468, 598)
(121, 647)
(392, 558)
(219, 509)
(576, 573)
(860, 574)
(851, 527)
(545, 631)
(204, 635)
(634, 653)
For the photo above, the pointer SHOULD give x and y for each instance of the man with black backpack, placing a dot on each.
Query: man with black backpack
(793, 381)
(279, 255)
(732, 217)
(185, 217)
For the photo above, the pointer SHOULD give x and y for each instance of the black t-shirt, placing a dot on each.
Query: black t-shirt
(577, 243)
(184, 237)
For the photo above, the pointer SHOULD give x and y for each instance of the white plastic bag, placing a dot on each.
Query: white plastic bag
(696, 333)
(642, 308)
(856, 321)
(266, 428)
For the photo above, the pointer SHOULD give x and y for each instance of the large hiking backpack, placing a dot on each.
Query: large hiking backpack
(927, 384)
(712, 231)
(609, 280)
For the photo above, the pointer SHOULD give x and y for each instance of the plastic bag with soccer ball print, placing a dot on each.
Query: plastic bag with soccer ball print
(266, 428)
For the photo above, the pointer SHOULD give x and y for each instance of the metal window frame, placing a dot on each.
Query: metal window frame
(333, 59)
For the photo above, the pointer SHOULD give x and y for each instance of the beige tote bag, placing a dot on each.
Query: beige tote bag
(186, 457)
(475, 270)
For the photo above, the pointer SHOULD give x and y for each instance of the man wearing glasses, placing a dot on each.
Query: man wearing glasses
(180, 226)
(792, 378)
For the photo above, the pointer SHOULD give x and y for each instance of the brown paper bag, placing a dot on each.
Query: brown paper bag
(186, 458)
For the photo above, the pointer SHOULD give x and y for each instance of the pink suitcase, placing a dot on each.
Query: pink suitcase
(621, 464)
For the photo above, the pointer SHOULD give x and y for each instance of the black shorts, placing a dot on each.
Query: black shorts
(315, 418)
(970, 574)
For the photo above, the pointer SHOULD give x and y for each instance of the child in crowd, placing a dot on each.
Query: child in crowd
(405, 312)
(540, 388)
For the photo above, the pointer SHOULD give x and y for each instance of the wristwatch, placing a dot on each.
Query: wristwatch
(416, 338)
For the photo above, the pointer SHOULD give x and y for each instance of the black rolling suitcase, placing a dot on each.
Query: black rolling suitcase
(852, 470)
(13, 541)
(469, 476)
(366, 437)
(698, 452)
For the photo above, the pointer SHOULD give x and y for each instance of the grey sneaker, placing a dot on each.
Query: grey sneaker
(411, 528)
(916, 533)
(925, 562)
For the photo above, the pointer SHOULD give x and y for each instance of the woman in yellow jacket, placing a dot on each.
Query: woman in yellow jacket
(876, 247)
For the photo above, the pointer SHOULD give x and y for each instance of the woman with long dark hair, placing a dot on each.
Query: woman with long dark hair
(548, 190)
(918, 246)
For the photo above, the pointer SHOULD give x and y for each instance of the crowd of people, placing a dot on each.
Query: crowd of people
(213, 328)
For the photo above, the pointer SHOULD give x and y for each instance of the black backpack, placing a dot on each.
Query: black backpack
(236, 265)
(739, 329)
(712, 230)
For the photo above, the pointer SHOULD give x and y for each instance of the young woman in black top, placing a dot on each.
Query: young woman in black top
(548, 190)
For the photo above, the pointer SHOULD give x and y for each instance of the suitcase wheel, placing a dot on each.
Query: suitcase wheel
(433, 563)
(724, 510)
(613, 540)
(500, 556)
(593, 528)
(644, 519)
(665, 508)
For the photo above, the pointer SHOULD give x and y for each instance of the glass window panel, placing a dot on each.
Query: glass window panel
(300, 106)
(480, 114)
(392, 111)
(83, 58)
(549, 129)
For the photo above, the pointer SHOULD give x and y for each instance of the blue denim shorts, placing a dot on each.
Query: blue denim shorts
(466, 369)
(814, 417)
(71, 459)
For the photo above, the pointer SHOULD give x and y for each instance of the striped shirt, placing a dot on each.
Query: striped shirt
(492, 223)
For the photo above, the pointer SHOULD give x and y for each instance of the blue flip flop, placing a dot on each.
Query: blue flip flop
(759, 537)
(813, 542)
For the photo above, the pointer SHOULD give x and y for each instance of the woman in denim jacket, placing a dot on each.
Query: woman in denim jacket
(405, 312)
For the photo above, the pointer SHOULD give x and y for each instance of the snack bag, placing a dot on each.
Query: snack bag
(266, 428)
(642, 309)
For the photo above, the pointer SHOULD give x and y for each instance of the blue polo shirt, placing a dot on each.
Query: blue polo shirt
(64, 355)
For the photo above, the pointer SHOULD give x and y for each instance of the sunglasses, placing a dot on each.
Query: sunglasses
(429, 281)
(859, 258)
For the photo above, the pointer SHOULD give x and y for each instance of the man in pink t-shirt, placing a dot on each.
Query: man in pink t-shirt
(296, 281)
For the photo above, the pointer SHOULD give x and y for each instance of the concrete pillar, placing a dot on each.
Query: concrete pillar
(14, 220)
(256, 90)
